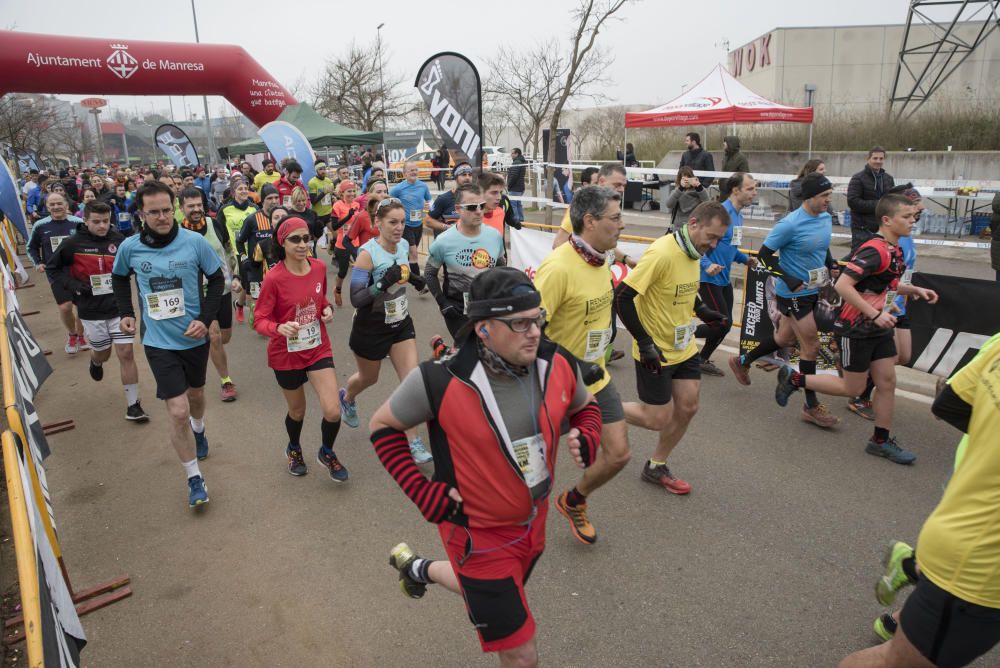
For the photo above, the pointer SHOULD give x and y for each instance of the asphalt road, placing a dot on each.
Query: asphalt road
(769, 562)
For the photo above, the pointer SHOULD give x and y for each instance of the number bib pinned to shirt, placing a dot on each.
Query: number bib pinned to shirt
(254, 289)
(100, 284)
(416, 215)
(907, 278)
(597, 343)
(309, 337)
(165, 299)
(530, 456)
(396, 309)
(890, 297)
(737, 239)
(682, 336)
(55, 241)
(818, 277)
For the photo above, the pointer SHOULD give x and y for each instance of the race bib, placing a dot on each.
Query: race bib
(165, 299)
(100, 284)
(597, 343)
(818, 277)
(530, 456)
(907, 278)
(55, 241)
(254, 289)
(465, 302)
(308, 338)
(396, 309)
(124, 217)
(682, 336)
(890, 297)
(416, 215)
(326, 200)
(737, 239)
(286, 201)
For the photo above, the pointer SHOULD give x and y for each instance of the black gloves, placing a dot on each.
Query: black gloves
(650, 356)
(391, 276)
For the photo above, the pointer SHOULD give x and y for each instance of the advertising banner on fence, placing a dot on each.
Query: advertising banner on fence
(947, 335)
(529, 247)
(10, 200)
(176, 145)
(450, 88)
(285, 141)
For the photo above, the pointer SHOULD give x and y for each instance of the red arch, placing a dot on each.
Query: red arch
(36, 63)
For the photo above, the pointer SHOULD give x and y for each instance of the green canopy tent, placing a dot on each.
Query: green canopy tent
(321, 132)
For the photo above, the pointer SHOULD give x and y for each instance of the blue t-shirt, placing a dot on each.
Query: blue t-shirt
(443, 208)
(725, 252)
(802, 241)
(412, 195)
(169, 281)
(464, 258)
(909, 249)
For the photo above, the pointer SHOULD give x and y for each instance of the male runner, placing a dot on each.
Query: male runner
(81, 266)
(321, 193)
(220, 331)
(494, 411)
(868, 284)
(498, 212)
(443, 214)
(575, 283)
(169, 263)
(465, 250)
(266, 176)
(655, 302)
(804, 266)
(289, 181)
(255, 238)
(46, 235)
(416, 197)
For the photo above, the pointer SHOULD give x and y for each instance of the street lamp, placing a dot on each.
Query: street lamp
(381, 87)
(213, 156)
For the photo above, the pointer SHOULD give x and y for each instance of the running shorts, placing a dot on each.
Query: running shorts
(797, 307)
(342, 258)
(657, 389)
(225, 315)
(857, 355)
(413, 235)
(949, 631)
(375, 343)
(610, 403)
(293, 379)
(61, 294)
(176, 371)
(102, 333)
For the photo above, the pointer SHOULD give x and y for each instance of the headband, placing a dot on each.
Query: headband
(344, 185)
(290, 225)
(462, 169)
(320, 165)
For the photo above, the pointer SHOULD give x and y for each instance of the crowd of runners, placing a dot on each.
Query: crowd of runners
(470, 433)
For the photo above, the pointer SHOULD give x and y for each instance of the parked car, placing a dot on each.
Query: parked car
(496, 157)
(425, 168)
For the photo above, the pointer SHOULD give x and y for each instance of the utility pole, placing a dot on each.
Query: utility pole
(213, 155)
(381, 90)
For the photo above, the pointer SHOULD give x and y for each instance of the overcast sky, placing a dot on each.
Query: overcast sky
(658, 45)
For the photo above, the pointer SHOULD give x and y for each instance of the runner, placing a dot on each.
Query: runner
(575, 283)
(443, 214)
(382, 326)
(498, 213)
(953, 615)
(265, 177)
(804, 266)
(289, 181)
(254, 238)
(220, 331)
(291, 310)
(416, 197)
(46, 235)
(716, 289)
(464, 251)
(655, 302)
(169, 263)
(344, 211)
(234, 213)
(81, 266)
(868, 284)
(321, 193)
(494, 409)
(364, 228)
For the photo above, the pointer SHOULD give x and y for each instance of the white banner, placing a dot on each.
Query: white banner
(529, 247)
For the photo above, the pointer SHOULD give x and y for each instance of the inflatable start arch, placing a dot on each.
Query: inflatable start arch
(36, 63)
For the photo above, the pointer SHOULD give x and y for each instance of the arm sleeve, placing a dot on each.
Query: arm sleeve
(393, 449)
(122, 287)
(249, 227)
(431, 275)
(765, 255)
(263, 310)
(213, 296)
(672, 198)
(625, 307)
(952, 409)
(588, 421)
(361, 291)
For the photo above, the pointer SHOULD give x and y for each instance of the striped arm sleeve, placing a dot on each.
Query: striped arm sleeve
(393, 450)
(588, 421)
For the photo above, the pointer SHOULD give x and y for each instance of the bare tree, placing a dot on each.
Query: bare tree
(352, 92)
(494, 118)
(604, 127)
(584, 67)
(35, 123)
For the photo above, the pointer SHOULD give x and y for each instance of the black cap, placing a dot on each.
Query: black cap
(268, 189)
(906, 190)
(499, 292)
(814, 184)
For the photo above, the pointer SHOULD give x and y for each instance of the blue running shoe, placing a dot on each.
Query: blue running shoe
(419, 451)
(338, 472)
(891, 451)
(200, 444)
(348, 411)
(197, 491)
(784, 388)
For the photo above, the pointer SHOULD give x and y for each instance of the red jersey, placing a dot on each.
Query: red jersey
(495, 219)
(340, 209)
(362, 229)
(285, 297)
(285, 188)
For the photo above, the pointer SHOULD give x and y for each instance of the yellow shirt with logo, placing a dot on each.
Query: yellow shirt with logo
(959, 545)
(262, 178)
(578, 298)
(667, 282)
(324, 205)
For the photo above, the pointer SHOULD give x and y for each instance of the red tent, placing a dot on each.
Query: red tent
(718, 99)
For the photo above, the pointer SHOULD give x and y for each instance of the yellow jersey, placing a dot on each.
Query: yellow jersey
(959, 545)
(262, 178)
(577, 297)
(324, 205)
(566, 224)
(667, 281)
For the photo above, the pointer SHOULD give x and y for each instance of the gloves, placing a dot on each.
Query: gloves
(588, 422)
(590, 372)
(650, 356)
(448, 309)
(710, 317)
(516, 224)
(417, 281)
(390, 277)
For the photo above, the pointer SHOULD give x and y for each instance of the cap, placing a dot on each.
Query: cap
(906, 190)
(267, 190)
(814, 184)
(498, 292)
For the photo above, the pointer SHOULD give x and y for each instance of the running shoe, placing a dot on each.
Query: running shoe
(401, 558)
(862, 407)
(784, 388)
(134, 413)
(893, 577)
(72, 344)
(197, 491)
(81, 341)
(579, 524)
(96, 371)
(348, 411)
(708, 368)
(419, 451)
(229, 392)
(891, 451)
(661, 475)
(240, 315)
(885, 626)
(200, 444)
(296, 465)
(820, 416)
(740, 372)
(328, 458)
(438, 347)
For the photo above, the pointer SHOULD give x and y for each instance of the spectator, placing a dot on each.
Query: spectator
(734, 161)
(698, 158)
(994, 231)
(863, 193)
(795, 187)
(629, 157)
(687, 194)
(515, 181)
(440, 163)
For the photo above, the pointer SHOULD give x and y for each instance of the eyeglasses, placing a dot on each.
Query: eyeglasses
(387, 202)
(478, 206)
(522, 325)
(158, 213)
(299, 238)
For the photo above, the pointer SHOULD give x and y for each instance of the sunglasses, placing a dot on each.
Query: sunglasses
(522, 325)
(387, 202)
(479, 206)
(299, 238)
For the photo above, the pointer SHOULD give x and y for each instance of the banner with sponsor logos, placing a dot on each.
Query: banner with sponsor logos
(450, 87)
(284, 141)
(176, 145)
(529, 247)
(10, 200)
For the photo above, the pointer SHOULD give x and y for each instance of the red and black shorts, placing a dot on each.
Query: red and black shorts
(492, 566)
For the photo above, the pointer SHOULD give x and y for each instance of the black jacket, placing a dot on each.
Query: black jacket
(863, 193)
(699, 160)
(734, 161)
(515, 175)
(78, 258)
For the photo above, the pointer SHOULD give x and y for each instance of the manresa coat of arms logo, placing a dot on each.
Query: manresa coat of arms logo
(121, 61)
